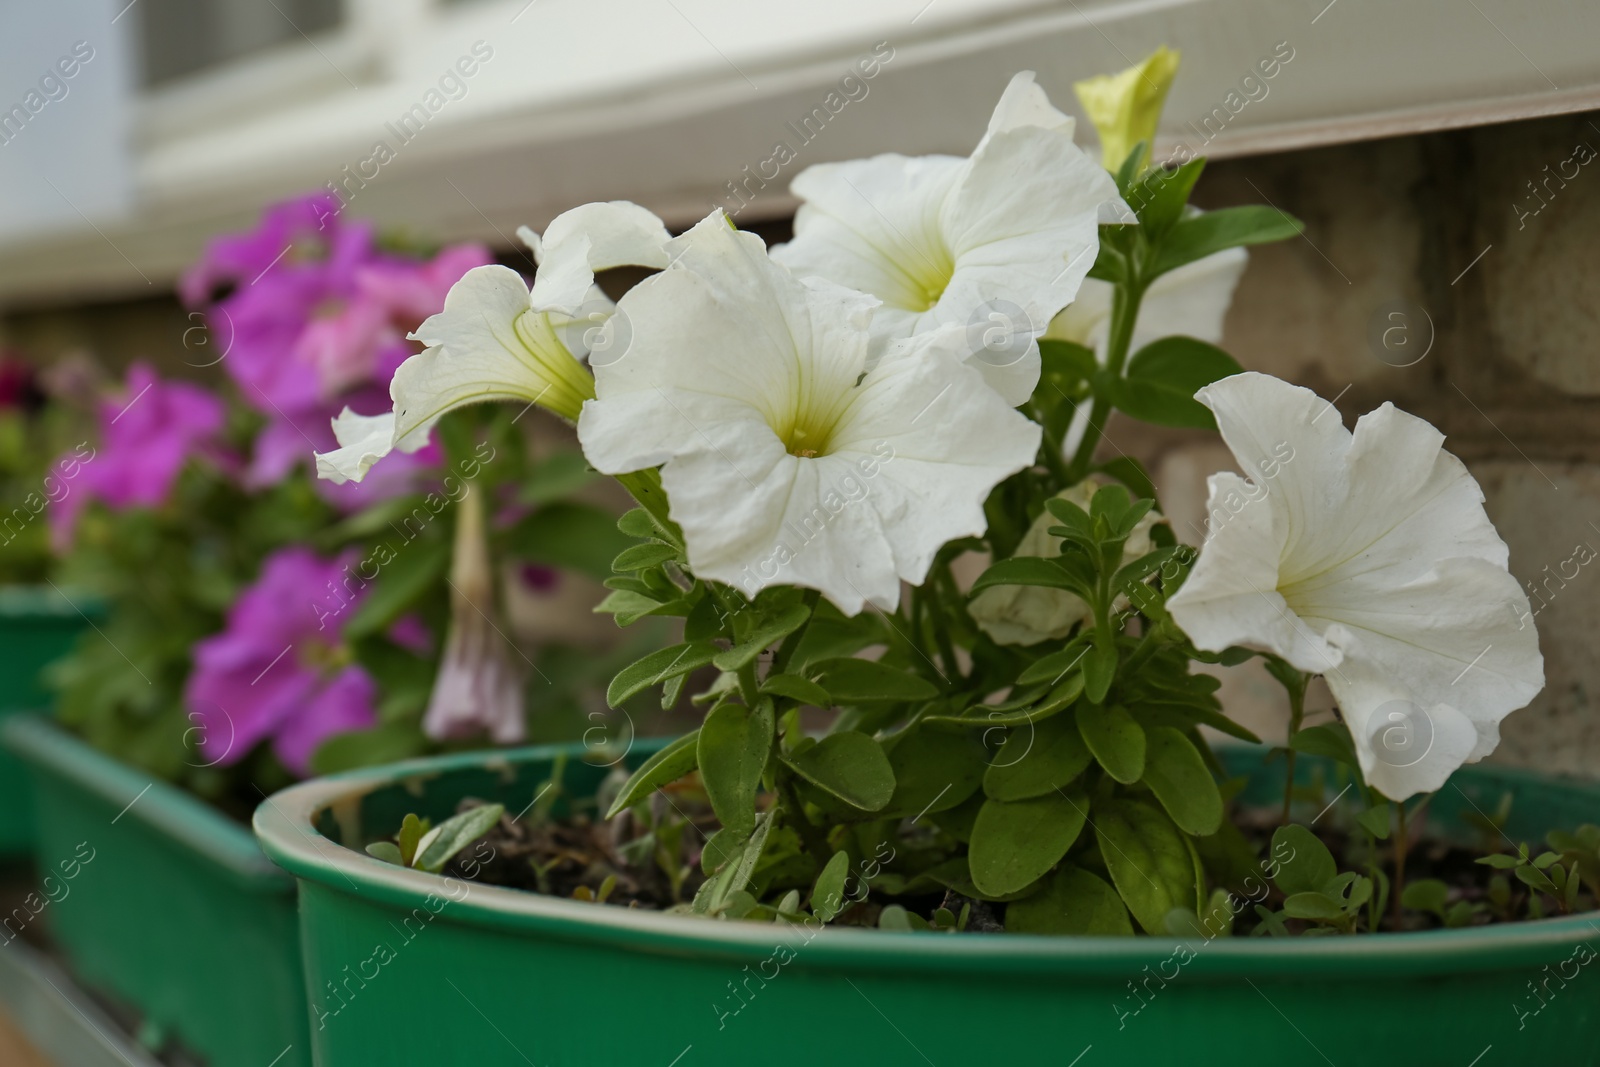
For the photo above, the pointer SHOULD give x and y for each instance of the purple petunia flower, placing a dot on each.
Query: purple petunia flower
(312, 317)
(280, 670)
(146, 436)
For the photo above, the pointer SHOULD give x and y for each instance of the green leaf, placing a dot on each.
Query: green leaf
(850, 766)
(386, 743)
(1116, 740)
(1426, 894)
(670, 763)
(1177, 774)
(455, 834)
(1100, 668)
(1163, 377)
(732, 753)
(1377, 821)
(1053, 668)
(853, 681)
(1149, 861)
(1131, 473)
(1027, 570)
(628, 606)
(643, 557)
(763, 636)
(1015, 843)
(933, 771)
(797, 688)
(1304, 863)
(719, 890)
(417, 567)
(1318, 907)
(1037, 759)
(579, 537)
(827, 896)
(1073, 901)
(385, 851)
(559, 474)
(1202, 235)
(1160, 197)
(638, 523)
(657, 667)
(412, 830)
(1066, 359)
(1329, 740)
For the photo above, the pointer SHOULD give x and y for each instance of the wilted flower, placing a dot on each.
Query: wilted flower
(1126, 107)
(147, 434)
(1004, 236)
(1366, 558)
(1028, 614)
(497, 340)
(788, 460)
(480, 683)
(280, 670)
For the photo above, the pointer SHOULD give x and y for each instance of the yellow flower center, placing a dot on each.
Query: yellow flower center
(928, 271)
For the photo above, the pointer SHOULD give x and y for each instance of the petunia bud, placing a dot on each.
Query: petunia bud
(480, 682)
(1125, 107)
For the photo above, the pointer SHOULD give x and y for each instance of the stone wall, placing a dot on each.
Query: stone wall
(1450, 273)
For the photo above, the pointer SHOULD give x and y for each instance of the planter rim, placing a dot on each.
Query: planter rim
(286, 827)
(49, 600)
(148, 799)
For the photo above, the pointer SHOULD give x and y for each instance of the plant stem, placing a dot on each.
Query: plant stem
(1297, 714)
(816, 840)
(936, 617)
(1400, 843)
(786, 650)
(645, 486)
(1124, 314)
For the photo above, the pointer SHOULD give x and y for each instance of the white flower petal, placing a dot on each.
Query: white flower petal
(1025, 103)
(487, 344)
(782, 463)
(1376, 543)
(873, 225)
(1239, 604)
(1269, 424)
(591, 238)
(363, 440)
(1009, 232)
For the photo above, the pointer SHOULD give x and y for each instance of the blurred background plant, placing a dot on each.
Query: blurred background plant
(263, 625)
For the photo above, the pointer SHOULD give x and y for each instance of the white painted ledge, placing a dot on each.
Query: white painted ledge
(666, 101)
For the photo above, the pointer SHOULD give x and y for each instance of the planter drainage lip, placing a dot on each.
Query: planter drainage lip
(142, 797)
(286, 827)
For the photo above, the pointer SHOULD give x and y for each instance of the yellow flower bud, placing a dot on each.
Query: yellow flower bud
(1125, 107)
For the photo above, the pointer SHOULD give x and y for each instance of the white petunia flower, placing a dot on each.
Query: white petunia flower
(1366, 558)
(497, 340)
(786, 459)
(1191, 301)
(1028, 614)
(1002, 238)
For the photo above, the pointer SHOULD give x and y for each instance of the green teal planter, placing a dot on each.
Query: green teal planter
(37, 625)
(175, 912)
(406, 968)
